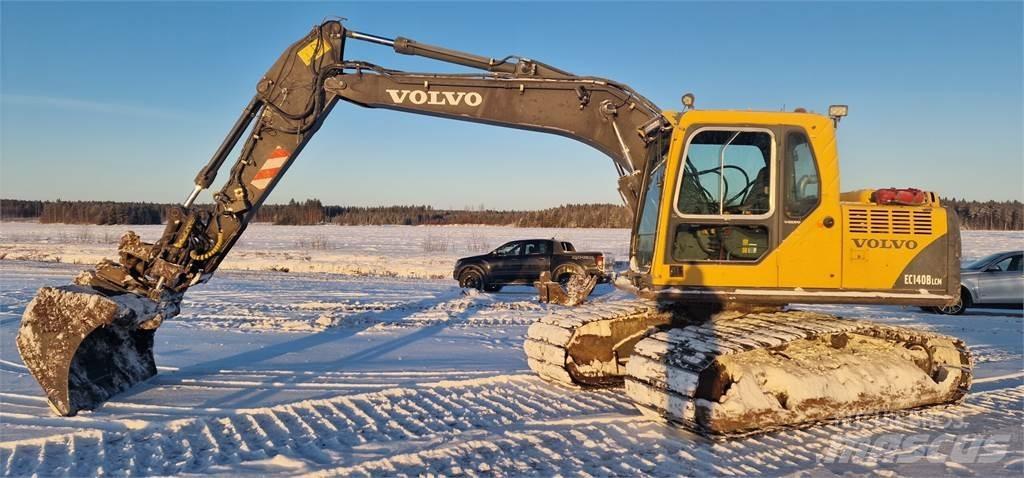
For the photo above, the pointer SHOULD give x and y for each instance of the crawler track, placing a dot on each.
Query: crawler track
(800, 367)
(670, 371)
(577, 346)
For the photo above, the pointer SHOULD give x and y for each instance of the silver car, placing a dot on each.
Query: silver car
(993, 281)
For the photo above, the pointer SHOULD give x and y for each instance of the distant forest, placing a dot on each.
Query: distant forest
(988, 215)
(313, 212)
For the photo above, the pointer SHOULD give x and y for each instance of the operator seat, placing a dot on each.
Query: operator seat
(749, 243)
(756, 200)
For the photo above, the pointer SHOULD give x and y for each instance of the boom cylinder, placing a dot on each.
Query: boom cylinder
(369, 38)
(209, 172)
(407, 46)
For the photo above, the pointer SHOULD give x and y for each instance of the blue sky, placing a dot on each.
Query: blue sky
(119, 101)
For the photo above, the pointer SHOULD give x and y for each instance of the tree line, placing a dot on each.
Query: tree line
(568, 215)
(989, 215)
(312, 211)
(83, 212)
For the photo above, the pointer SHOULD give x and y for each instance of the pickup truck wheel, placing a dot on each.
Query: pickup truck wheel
(471, 279)
(564, 273)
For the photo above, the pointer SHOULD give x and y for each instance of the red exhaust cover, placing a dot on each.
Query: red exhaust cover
(900, 196)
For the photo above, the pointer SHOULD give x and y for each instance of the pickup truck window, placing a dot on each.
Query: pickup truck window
(536, 248)
(567, 247)
(510, 249)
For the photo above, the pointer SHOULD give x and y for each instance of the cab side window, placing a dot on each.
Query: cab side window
(802, 182)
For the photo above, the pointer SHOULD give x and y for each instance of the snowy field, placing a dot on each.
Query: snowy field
(386, 251)
(367, 360)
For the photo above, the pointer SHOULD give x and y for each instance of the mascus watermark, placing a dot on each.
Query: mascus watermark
(905, 448)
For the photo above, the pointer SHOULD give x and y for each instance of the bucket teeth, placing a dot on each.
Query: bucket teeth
(84, 347)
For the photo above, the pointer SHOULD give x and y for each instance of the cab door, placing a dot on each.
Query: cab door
(810, 239)
(721, 223)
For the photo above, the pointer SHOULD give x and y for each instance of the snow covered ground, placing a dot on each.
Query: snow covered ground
(387, 251)
(380, 373)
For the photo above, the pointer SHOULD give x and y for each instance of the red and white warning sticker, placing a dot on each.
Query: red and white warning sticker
(270, 168)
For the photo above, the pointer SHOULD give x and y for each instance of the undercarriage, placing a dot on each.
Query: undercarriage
(737, 372)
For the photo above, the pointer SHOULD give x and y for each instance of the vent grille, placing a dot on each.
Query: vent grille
(889, 221)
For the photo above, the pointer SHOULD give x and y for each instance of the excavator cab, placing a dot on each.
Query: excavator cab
(745, 207)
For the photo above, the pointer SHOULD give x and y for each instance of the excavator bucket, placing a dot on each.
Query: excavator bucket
(573, 292)
(83, 346)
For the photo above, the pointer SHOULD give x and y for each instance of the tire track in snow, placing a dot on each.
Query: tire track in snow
(500, 425)
(305, 311)
(637, 448)
(13, 367)
(319, 432)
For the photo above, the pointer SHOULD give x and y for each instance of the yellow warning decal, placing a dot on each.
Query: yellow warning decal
(314, 50)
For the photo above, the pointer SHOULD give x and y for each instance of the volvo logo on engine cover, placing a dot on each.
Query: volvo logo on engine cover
(445, 98)
(885, 243)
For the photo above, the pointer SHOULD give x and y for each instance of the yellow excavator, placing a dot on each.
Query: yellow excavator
(737, 214)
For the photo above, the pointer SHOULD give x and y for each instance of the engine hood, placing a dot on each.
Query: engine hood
(472, 258)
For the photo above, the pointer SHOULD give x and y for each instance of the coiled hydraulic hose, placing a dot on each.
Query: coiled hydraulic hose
(209, 253)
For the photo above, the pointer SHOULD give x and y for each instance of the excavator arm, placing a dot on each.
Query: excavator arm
(88, 341)
(304, 85)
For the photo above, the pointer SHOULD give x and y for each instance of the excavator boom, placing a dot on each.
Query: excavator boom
(68, 334)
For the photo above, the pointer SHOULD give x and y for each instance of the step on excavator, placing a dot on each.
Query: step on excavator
(736, 215)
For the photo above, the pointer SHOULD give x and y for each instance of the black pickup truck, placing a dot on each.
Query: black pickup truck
(522, 262)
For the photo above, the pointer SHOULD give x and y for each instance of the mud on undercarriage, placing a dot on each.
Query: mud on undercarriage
(736, 373)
